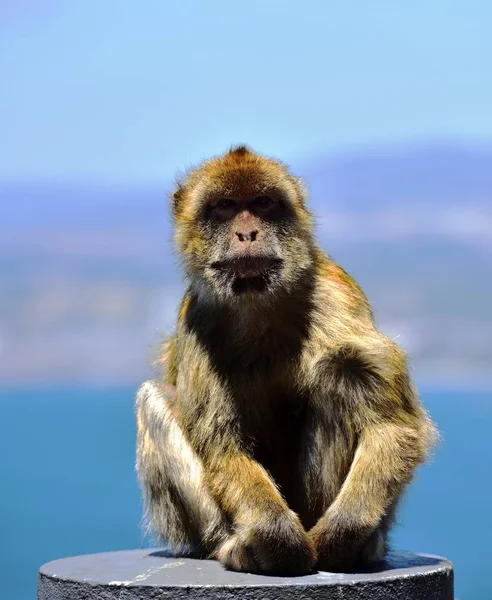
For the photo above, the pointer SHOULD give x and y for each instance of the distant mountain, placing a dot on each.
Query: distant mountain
(433, 192)
(435, 174)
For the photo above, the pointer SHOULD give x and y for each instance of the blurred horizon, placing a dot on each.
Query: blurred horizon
(383, 109)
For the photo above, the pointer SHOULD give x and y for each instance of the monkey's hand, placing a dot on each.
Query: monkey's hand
(275, 543)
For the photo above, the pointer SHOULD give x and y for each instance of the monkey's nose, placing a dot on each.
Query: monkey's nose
(247, 237)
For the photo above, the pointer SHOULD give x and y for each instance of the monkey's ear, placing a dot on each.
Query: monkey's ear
(302, 188)
(177, 197)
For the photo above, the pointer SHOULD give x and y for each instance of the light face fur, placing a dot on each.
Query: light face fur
(284, 426)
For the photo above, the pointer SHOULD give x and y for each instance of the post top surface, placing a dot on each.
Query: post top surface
(157, 568)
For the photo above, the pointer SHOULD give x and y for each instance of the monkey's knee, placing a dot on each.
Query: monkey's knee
(179, 508)
(152, 401)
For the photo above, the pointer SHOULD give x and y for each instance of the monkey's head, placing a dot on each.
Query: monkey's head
(242, 227)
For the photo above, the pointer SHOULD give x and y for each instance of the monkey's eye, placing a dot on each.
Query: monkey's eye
(225, 203)
(263, 201)
(223, 210)
(265, 206)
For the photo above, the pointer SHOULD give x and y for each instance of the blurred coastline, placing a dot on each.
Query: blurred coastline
(90, 282)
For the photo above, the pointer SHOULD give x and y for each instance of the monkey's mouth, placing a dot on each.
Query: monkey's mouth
(249, 273)
(248, 266)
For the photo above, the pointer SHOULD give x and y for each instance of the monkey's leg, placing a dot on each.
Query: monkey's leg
(393, 435)
(179, 508)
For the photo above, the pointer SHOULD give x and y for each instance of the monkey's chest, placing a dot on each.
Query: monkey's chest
(277, 438)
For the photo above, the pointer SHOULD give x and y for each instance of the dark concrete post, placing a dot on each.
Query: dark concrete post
(154, 575)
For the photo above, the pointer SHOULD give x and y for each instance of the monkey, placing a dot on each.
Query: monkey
(283, 426)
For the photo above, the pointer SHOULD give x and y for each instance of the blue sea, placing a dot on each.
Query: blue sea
(68, 484)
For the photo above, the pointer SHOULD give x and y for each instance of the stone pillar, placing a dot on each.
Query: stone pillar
(155, 575)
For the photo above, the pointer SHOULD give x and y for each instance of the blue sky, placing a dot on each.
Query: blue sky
(127, 90)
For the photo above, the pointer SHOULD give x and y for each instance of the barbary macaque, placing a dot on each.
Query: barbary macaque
(284, 426)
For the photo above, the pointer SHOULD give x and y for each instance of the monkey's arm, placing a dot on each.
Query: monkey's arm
(267, 535)
(383, 464)
(394, 434)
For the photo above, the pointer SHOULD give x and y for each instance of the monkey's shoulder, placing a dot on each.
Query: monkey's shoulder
(340, 291)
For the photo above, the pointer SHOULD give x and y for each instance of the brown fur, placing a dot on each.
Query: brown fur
(285, 426)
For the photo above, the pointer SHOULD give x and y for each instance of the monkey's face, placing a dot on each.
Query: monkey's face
(242, 227)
